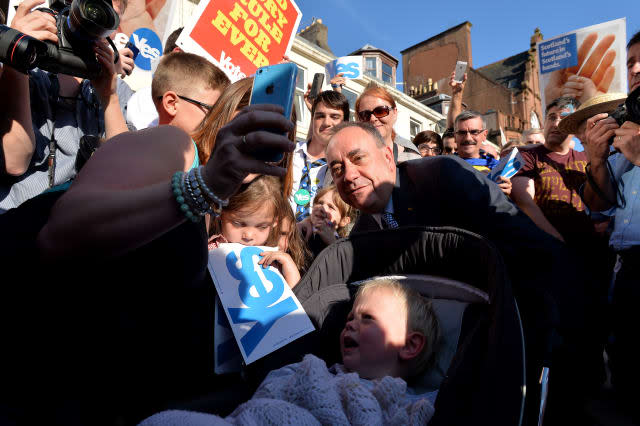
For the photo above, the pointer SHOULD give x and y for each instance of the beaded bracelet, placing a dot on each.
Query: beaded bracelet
(176, 185)
(208, 192)
(201, 205)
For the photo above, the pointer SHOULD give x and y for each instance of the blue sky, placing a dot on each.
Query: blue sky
(500, 28)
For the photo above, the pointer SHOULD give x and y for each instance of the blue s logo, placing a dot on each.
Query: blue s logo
(149, 45)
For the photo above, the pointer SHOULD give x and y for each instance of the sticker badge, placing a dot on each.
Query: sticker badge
(302, 197)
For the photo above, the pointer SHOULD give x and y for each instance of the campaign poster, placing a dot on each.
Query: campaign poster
(261, 309)
(240, 36)
(583, 63)
(351, 67)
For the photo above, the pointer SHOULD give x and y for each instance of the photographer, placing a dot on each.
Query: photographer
(613, 183)
(49, 113)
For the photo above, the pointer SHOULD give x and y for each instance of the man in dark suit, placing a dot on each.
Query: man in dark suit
(446, 191)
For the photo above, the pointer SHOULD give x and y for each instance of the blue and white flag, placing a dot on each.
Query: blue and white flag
(508, 166)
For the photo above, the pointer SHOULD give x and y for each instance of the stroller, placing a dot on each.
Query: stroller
(480, 364)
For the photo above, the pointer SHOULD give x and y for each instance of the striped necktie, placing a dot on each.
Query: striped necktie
(305, 183)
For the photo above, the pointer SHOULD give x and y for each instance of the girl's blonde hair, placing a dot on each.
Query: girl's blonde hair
(296, 246)
(250, 198)
(345, 209)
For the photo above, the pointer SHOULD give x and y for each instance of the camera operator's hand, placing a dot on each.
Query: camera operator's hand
(105, 83)
(125, 65)
(232, 159)
(600, 129)
(37, 24)
(627, 141)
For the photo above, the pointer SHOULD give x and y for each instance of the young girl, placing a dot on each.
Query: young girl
(290, 239)
(250, 219)
(329, 218)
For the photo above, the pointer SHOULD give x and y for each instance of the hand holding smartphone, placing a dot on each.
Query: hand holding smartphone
(461, 68)
(316, 87)
(274, 84)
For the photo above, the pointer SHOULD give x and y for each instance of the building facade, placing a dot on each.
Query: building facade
(506, 92)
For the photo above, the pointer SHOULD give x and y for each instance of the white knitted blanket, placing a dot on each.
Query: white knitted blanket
(308, 393)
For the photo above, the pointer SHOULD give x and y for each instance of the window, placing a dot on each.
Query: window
(301, 108)
(351, 97)
(371, 67)
(415, 127)
(387, 73)
(535, 123)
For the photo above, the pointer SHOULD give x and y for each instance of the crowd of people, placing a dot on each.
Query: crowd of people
(110, 201)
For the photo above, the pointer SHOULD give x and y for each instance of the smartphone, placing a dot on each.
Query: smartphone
(316, 86)
(133, 48)
(461, 68)
(274, 84)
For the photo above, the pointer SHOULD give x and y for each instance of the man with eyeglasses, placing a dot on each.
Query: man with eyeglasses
(470, 133)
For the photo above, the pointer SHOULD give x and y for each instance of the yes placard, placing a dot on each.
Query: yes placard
(262, 311)
(240, 36)
(351, 66)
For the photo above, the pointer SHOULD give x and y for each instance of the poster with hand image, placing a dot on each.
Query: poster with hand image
(583, 63)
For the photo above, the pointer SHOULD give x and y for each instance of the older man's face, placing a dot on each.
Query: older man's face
(363, 173)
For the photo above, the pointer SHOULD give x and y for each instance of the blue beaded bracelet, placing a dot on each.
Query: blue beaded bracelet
(208, 192)
(176, 186)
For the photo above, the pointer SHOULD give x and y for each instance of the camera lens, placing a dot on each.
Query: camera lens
(91, 19)
(19, 50)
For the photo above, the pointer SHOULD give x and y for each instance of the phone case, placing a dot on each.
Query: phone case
(275, 84)
(316, 87)
(461, 67)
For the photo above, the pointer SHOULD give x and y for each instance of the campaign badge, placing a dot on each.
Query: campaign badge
(149, 45)
(302, 197)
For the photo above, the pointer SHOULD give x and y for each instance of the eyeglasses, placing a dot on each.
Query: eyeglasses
(463, 133)
(424, 147)
(193, 101)
(378, 112)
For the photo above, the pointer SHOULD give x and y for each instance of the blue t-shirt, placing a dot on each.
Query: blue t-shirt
(482, 164)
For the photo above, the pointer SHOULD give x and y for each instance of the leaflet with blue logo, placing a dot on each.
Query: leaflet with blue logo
(262, 311)
(508, 166)
(227, 356)
(350, 66)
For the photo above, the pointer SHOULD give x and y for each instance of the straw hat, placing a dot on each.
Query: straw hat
(606, 102)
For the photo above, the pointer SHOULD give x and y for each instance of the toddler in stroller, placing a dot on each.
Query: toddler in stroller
(391, 334)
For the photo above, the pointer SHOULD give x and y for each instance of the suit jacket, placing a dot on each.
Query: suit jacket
(447, 191)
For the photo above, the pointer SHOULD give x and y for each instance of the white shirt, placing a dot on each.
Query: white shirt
(316, 174)
(141, 111)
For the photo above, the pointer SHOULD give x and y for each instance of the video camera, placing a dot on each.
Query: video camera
(80, 23)
(630, 110)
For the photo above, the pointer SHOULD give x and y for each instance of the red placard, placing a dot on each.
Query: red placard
(243, 35)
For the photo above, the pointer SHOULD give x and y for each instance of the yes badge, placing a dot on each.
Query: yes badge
(302, 197)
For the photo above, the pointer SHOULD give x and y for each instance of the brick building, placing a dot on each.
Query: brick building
(506, 92)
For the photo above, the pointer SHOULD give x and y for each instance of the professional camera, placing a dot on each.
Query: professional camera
(80, 23)
(630, 110)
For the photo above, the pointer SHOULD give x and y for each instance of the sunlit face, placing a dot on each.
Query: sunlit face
(469, 137)
(552, 134)
(247, 227)
(633, 66)
(375, 331)
(363, 173)
(326, 210)
(189, 115)
(383, 124)
(324, 118)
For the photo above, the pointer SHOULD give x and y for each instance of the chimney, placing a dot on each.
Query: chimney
(317, 33)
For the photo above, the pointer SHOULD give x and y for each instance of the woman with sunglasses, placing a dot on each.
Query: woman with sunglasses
(377, 106)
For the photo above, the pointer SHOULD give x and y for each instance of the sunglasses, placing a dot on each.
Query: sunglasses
(378, 112)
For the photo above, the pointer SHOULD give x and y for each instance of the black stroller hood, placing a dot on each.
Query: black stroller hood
(484, 383)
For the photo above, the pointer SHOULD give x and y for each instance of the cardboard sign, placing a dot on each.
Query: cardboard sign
(351, 66)
(594, 57)
(240, 36)
(262, 311)
(508, 166)
(228, 358)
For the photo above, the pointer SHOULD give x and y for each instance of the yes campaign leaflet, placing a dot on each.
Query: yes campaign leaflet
(508, 166)
(262, 311)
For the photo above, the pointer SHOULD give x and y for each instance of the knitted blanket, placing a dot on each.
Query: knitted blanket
(308, 393)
